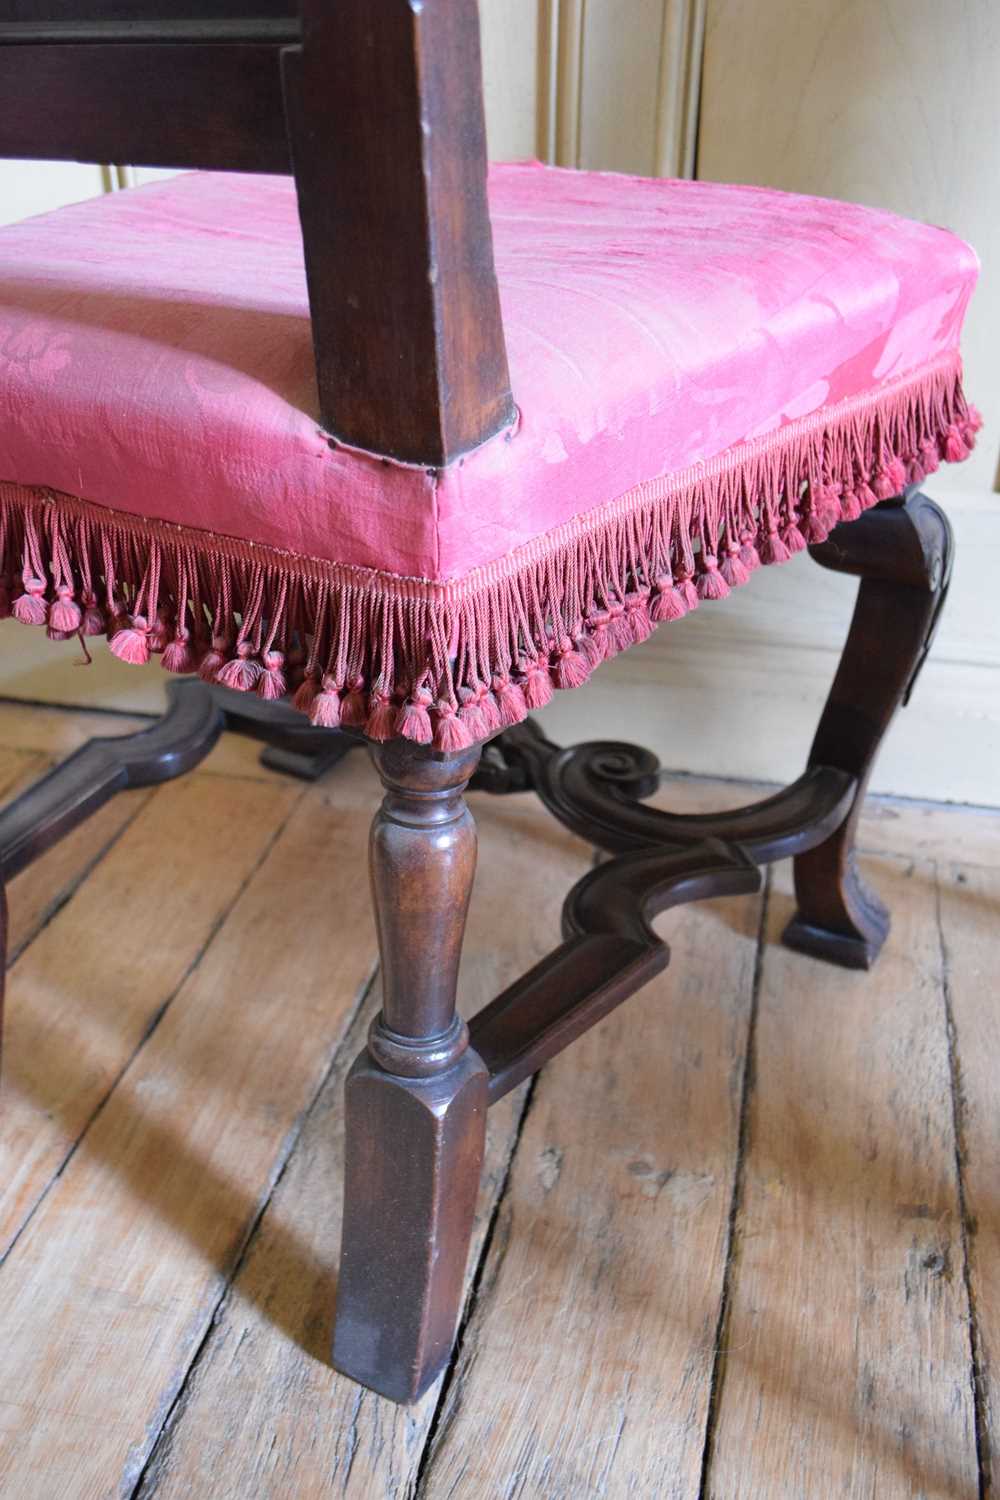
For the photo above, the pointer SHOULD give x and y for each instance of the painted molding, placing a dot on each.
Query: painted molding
(560, 80)
(682, 50)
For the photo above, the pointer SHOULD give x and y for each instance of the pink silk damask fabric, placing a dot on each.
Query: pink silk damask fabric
(156, 356)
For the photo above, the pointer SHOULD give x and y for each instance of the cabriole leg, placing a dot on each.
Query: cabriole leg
(902, 552)
(416, 1098)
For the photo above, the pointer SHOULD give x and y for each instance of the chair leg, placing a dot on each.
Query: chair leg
(902, 551)
(416, 1098)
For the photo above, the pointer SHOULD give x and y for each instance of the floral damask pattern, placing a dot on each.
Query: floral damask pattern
(155, 354)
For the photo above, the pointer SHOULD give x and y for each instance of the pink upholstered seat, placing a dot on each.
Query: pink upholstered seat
(706, 377)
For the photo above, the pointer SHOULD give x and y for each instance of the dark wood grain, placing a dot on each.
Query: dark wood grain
(151, 104)
(162, 13)
(392, 195)
(902, 551)
(610, 952)
(596, 788)
(74, 790)
(415, 1104)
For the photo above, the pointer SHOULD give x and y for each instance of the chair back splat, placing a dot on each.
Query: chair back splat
(376, 105)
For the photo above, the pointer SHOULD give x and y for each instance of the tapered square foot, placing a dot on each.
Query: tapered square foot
(847, 950)
(413, 1156)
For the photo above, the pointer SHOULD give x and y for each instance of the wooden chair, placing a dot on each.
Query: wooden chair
(376, 106)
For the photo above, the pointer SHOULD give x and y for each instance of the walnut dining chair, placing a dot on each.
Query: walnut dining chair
(372, 444)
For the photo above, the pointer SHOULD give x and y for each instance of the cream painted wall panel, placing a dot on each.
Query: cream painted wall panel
(895, 103)
(511, 34)
(32, 187)
(620, 75)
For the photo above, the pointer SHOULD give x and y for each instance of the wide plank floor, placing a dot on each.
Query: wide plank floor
(742, 1240)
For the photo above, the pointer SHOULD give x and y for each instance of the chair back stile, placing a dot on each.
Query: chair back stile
(377, 107)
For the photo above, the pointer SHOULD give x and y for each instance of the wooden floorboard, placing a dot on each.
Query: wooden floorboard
(845, 1353)
(124, 1261)
(969, 911)
(586, 1367)
(653, 1309)
(84, 995)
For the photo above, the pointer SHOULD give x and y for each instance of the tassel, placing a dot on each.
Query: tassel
(178, 655)
(241, 672)
(537, 684)
(710, 583)
(571, 668)
(131, 642)
(590, 647)
(850, 506)
(214, 659)
(668, 602)
(93, 622)
(597, 629)
(271, 683)
(915, 472)
(954, 448)
(897, 474)
(619, 634)
(733, 569)
(30, 607)
(972, 424)
(749, 556)
(354, 705)
(640, 626)
(688, 593)
(816, 528)
(470, 713)
(510, 701)
(160, 634)
(930, 460)
(413, 720)
(451, 733)
(866, 495)
(489, 711)
(793, 538)
(381, 721)
(306, 692)
(772, 549)
(828, 507)
(325, 709)
(883, 486)
(64, 614)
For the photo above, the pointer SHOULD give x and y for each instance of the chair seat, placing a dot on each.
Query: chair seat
(706, 377)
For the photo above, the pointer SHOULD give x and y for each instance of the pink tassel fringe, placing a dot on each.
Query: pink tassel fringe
(543, 617)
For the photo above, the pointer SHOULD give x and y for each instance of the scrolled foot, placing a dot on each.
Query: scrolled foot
(856, 946)
(902, 551)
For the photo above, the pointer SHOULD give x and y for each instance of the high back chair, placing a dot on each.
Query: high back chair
(420, 444)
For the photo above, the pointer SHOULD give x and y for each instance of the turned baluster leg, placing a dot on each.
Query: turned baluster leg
(902, 552)
(416, 1097)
